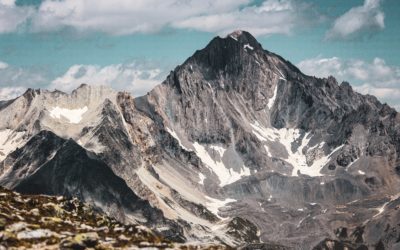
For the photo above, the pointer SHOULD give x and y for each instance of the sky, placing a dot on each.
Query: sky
(133, 44)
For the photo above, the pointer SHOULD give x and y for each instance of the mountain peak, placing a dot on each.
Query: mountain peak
(235, 34)
(245, 38)
(228, 53)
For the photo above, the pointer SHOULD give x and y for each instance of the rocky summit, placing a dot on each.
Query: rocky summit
(236, 147)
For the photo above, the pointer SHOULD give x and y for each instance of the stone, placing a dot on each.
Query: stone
(80, 241)
(6, 236)
(51, 220)
(3, 223)
(122, 237)
(35, 234)
(18, 226)
(35, 212)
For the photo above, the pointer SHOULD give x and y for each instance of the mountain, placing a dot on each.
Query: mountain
(236, 146)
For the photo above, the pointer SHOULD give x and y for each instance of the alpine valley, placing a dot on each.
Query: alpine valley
(236, 147)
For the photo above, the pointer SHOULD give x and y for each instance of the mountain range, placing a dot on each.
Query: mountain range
(236, 146)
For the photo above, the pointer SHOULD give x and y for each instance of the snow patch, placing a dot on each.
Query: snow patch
(219, 149)
(301, 221)
(173, 134)
(267, 149)
(9, 141)
(214, 204)
(248, 46)
(91, 143)
(361, 172)
(202, 177)
(224, 174)
(287, 136)
(72, 115)
(380, 209)
(234, 38)
(281, 76)
(319, 145)
(351, 164)
(261, 206)
(271, 100)
(234, 35)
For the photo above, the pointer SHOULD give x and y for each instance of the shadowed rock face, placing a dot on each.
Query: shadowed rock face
(62, 167)
(235, 146)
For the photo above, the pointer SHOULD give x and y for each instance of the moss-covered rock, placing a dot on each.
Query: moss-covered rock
(46, 222)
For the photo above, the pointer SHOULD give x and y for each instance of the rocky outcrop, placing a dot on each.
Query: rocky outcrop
(45, 222)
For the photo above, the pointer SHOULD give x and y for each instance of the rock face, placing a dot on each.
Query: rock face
(73, 172)
(235, 146)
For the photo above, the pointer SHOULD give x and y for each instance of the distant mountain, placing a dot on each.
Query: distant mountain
(235, 146)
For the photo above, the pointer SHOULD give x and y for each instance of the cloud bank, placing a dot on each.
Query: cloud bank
(15, 80)
(11, 16)
(136, 77)
(376, 77)
(358, 22)
(271, 17)
(133, 77)
(121, 17)
(8, 93)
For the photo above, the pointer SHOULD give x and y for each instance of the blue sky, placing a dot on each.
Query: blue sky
(132, 45)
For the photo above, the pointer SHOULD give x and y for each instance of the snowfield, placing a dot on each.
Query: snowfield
(298, 159)
(225, 175)
(9, 141)
(72, 115)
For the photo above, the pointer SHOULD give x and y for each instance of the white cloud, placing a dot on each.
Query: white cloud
(14, 80)
(134, 77)
(3, 65)
(388, 93)
(7, 2)
(121, 17)
(12, 16)
(14, 77)
(271, 17)
(391, 95)
(359, 71)
(8, 93)
(358, 21)
(322, 67)
(124, 16)
(137, 78)
(375, 77)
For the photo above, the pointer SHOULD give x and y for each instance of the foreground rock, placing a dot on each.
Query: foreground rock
(46, 222)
